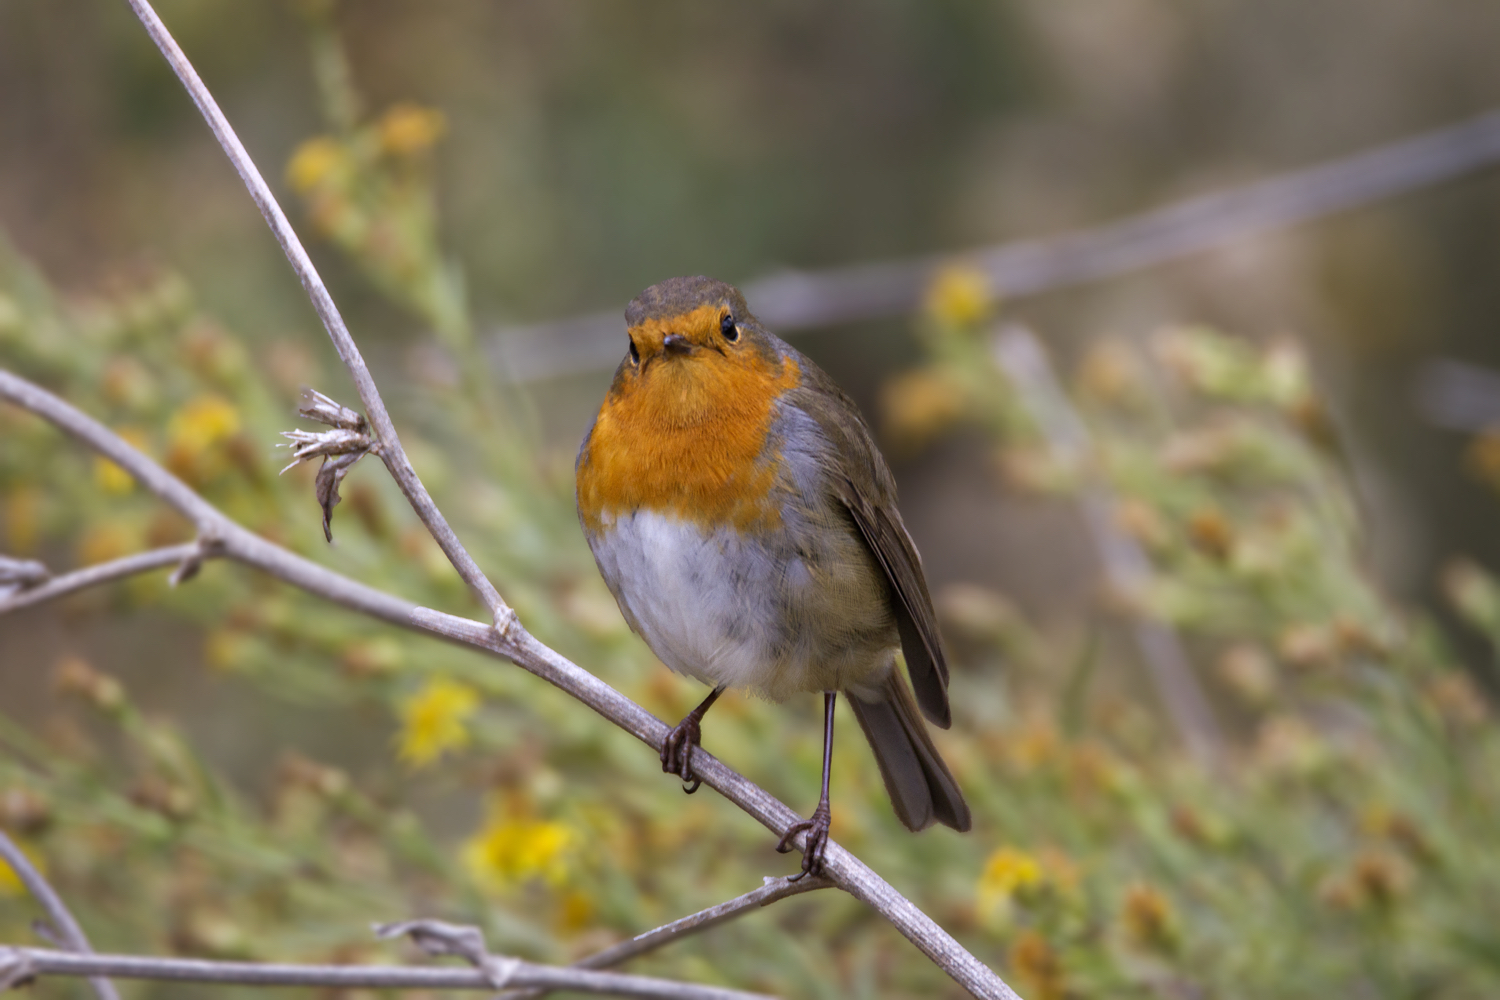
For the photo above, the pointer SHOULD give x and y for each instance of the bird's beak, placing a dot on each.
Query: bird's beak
(676, 343)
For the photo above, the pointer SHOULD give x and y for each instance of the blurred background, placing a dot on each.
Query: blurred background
(464, 173)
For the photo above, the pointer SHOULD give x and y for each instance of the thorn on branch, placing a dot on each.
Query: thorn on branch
(20, 574)
(48, 933)
(438, 937)
(340, 448)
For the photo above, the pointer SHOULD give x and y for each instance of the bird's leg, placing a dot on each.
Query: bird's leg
(677, 750)
(817, 827)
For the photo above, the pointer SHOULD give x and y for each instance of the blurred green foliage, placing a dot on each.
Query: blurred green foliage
(1348, 849)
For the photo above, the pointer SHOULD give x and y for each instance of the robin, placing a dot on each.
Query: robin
(746, 524)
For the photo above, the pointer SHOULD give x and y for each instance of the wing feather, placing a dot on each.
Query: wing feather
(916, 621)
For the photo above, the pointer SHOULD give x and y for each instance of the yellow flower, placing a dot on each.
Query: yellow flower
(432, 721)
(1007, 872)
(203, 423)
(195, 431)
(959, 295)
(110, 478)
(312, 163)
(512, 849)
(408, 129)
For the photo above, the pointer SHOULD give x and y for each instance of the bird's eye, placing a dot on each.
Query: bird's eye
(635, 355)
(728, 329)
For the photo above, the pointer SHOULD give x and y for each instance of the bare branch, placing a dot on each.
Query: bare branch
(1024, 362)
(189, 554)
(20, 965)
(774, 889)
(390, 449)
(62, 920)
(801, 300)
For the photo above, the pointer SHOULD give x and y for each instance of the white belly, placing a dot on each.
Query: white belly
(747, 612)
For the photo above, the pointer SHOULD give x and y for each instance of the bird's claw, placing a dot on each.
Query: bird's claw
(677, 753)
(817, 841)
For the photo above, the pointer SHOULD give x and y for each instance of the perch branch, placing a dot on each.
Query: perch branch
(506, 636)
(1024, 363)
(390, 449)
(52, 588)
(57, 912)
(20, 965)
(800, 300)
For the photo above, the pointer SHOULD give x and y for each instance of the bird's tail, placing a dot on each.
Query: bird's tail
(921, 788)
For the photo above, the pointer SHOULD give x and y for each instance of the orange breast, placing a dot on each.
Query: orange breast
(688, 438)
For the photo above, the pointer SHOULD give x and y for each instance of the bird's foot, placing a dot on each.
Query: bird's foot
(677, 752)
(817, 840)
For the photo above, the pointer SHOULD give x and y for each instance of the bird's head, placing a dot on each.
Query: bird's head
(694, 352)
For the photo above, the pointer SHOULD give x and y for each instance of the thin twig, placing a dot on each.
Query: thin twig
(93, 576)
(519, 647)
(234, 541)
(1018, 354)
(775, 889)
(390, 449)
(18, 965)
(506, 636)
(57, 912)
(801, 300)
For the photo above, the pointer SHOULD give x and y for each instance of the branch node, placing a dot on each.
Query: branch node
(208, 545)
(340, 448)
(505, 620)
(438, 937)
(21, 574)
(16, 968)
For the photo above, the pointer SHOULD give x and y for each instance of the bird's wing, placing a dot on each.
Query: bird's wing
(883, 532)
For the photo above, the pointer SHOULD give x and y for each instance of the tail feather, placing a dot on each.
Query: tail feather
(922, 789)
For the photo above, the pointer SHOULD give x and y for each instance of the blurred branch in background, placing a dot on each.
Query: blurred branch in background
(800, 300)
(1126, 569)
(1458, 396)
